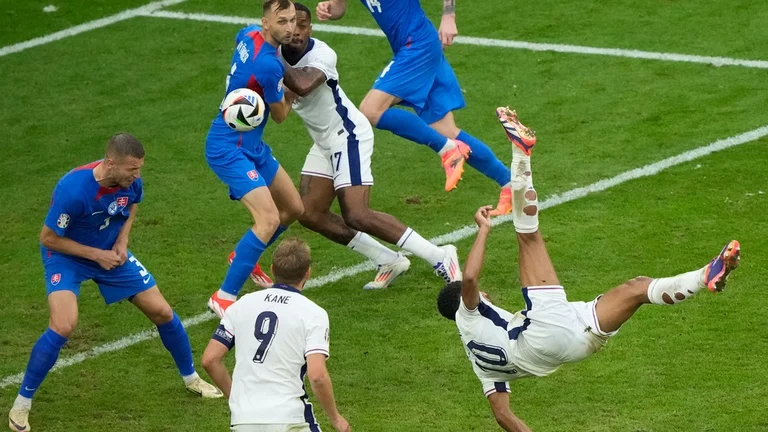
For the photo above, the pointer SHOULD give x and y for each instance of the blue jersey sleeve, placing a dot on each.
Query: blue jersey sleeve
(138, 188)
(270, 75)
(66, 205)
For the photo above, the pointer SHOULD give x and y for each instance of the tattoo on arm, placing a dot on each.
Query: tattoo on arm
(449, 7)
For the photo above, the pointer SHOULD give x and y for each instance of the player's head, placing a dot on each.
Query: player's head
(290, 262)
(448, 300)
(303, 30)
(278, 20)
(123, 159)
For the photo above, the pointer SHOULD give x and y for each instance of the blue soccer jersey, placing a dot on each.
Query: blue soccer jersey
(88, 213)
(402, 21)
(255, 65)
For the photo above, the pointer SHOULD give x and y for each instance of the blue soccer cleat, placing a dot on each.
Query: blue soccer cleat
(721, 265)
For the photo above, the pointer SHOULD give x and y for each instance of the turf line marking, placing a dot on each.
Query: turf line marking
(88, 26)
(451, 237)
(477, 41)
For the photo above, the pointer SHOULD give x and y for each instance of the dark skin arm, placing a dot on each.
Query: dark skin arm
(303, 81)
(504, 416)
(470, 294)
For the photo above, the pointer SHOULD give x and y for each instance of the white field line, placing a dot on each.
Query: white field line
(88, 26)
(467, 40)
(451, 237)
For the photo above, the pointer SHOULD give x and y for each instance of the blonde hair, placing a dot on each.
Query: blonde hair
(290, 261)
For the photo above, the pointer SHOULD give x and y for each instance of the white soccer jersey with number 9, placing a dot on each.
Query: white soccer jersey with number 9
(273, 331)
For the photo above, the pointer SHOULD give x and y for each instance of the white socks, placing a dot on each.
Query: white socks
(189, 378)
(366, 245)
(525, 200)
(226, 296)
(22, 402)
(449, 145)
(417, 245)
(677, 288)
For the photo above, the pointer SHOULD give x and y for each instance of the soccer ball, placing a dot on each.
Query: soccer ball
(243, 110)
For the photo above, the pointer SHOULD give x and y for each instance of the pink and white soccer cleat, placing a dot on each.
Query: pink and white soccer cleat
(721, 265)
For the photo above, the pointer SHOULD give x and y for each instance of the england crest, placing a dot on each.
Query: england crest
(55, 279)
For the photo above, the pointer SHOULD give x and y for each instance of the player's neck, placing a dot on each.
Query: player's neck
(292, 55)
(269, 39)
(101, 177)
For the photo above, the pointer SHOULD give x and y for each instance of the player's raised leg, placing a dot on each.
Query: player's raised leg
(407, 80)
(175, 339)
(45, 352)
(482, 159)
(317, 194)
(619, 304)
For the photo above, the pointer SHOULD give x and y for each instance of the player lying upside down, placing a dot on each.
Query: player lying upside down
(551, 330)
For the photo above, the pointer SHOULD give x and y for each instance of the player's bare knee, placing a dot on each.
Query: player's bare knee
(371, 111)
(357, 219)
(63, 326)
(163, 315)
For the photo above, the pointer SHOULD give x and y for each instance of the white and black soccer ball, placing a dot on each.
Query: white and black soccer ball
(243, 109)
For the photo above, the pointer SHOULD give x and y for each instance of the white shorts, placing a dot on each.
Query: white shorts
(345, 159)
(299, 427)
(559, 331)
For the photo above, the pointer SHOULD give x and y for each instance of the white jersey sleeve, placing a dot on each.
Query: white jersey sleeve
(318, 332)
(323, 58)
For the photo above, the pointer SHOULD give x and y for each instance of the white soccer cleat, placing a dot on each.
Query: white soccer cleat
(202, 388)
(389, 272)
(18, 419)
(449, 269)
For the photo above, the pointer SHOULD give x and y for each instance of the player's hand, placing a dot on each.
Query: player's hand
(483, 216)
(107, 259)
(121, 249)
(341, 424)
(448, 29)
(328, 10)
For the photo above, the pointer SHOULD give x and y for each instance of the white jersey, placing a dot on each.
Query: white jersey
(327, 111)
(273, 330)
(552, 331)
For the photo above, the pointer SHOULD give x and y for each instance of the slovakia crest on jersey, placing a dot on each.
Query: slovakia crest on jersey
(117, 205)
(55, 279)
(253, 175)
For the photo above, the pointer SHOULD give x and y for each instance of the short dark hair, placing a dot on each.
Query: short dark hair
(449, 300)
(124, 144)
(281, 5)
(290, 261)
(301, 8)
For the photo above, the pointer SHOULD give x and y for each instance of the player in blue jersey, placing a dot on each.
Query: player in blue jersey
(85, 237)
(420, 77)
(244, 161)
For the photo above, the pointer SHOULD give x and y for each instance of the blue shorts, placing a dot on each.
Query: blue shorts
(241, 170)
(64, 273)
(424, 80)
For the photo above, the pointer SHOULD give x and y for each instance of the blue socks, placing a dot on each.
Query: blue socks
(247, 254)
(280, 229)
(483, 160)
(409, 126)
(41, 360)
(176, 341)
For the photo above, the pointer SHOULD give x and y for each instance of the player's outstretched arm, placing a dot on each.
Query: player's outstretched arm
(474, 265)
(121, 244)
(50, 240)
(323, 390)
(214, 365)
(303, 81)
(448, 29)
(331, 10)
(504, 416)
